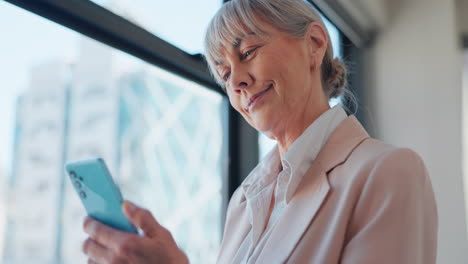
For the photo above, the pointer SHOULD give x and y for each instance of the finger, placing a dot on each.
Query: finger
(103, 234)
(96, 252)
(142, 218)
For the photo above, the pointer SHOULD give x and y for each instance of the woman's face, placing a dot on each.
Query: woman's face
(272, 79)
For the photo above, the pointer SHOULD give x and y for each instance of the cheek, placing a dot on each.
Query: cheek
(281, 68)
(269, 66)
(293, 74)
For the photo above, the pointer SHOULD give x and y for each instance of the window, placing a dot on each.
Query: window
(182, 23)
(70, 97)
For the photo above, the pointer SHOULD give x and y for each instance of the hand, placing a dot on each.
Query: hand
(107, 245)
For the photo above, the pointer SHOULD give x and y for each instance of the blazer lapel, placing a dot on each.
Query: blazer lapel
(236, 229)
(312, 192)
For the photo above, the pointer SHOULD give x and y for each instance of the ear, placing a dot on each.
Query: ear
(317, 41)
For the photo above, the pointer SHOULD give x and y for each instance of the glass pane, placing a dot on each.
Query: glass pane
(266, 144)
(180, 22)
(69, 97)
(335, 37)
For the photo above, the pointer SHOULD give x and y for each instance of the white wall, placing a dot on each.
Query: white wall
(412, 96)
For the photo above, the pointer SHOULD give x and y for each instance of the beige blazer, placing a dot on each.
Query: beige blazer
(361, 202)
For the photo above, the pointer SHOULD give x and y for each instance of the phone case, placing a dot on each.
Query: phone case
(99, 194)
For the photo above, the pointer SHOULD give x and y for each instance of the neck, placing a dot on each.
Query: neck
(286, 139)
(295, 126)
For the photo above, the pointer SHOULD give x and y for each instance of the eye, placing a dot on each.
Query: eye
(226, 76)
(248, 53)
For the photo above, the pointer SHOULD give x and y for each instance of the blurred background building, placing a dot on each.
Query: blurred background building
(38, 151)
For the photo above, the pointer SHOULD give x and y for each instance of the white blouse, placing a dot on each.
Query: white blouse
(284, 173)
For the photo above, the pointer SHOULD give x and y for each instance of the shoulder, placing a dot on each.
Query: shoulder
(392, 203)
(376, 154)
(388, 155)
(384, 167)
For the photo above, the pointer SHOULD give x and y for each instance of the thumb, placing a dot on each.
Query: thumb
(141, 218)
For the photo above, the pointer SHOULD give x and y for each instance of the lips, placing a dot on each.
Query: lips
(256, 96)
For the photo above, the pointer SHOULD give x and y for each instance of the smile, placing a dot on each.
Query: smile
(256, 97)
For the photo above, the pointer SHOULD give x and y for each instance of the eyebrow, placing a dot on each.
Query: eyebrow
(237, 42)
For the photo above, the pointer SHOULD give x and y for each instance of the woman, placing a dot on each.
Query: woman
(327, 193)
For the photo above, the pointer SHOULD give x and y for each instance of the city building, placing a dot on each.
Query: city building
(34, 194)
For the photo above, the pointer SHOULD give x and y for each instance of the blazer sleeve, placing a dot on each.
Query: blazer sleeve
(395, 217)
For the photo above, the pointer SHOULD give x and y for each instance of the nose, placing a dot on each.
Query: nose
(240, 78)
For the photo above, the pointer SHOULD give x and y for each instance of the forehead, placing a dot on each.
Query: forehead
(247, 37)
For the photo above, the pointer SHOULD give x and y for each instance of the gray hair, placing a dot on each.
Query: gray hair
(237, 17)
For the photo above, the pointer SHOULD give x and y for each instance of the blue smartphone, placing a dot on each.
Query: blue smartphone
(99, 194)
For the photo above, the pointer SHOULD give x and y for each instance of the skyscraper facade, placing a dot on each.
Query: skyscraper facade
(39, 146)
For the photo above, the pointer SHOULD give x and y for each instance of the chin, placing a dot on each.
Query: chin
(263, 125)
(262, 120)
